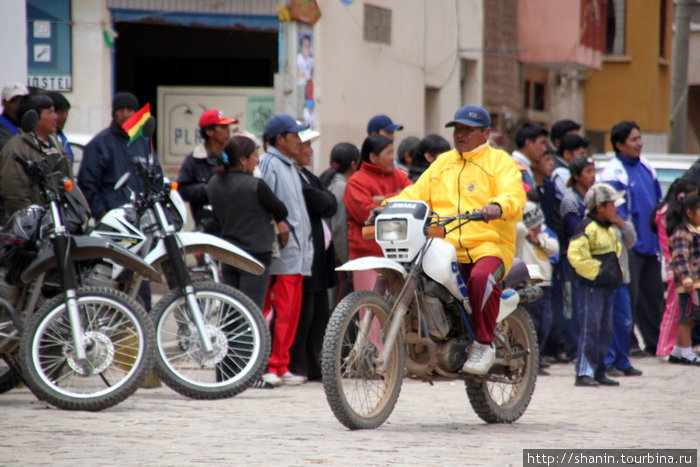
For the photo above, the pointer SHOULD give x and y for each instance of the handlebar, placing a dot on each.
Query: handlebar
(32, 169)
(472, 216)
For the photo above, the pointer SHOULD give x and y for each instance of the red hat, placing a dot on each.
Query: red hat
(214, 117)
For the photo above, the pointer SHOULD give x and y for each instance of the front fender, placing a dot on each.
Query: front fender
(218, 248)
(84, 248)
(372, 262)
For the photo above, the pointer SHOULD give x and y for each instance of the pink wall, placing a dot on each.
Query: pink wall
(549, 32)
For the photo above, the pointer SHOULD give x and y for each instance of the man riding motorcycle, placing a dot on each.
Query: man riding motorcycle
(475, 176)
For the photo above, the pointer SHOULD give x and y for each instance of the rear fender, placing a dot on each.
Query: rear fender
(85, 248)
(218, 248)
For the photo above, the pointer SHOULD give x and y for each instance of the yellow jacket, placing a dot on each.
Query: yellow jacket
(457, 183)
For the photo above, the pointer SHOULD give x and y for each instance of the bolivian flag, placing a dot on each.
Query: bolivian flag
(134, 126)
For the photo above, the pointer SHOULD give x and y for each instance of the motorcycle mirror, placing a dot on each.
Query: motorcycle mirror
(29, 120)
(149, 127)
(122, 180)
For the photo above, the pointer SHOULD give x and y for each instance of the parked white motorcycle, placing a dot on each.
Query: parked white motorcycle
(418, 317)
(212, 340)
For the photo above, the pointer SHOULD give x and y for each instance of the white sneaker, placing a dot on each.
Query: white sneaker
(481, 358)
(290, 379)
(272, 379)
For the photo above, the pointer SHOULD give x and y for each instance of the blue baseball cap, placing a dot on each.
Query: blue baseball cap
(283, 123)
(471, 115)
(382, 122)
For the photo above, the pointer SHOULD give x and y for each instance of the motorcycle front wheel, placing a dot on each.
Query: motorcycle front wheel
(238, 334)
(359, 394)
(505, 392)
(118, 338)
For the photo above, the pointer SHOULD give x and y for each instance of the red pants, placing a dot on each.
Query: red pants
(482, 278)
(284, 296)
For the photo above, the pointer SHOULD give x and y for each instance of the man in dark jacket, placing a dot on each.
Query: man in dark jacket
(40, 146)
(198, 167)
(107, 157)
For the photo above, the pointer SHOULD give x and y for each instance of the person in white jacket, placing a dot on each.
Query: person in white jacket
(538, 245)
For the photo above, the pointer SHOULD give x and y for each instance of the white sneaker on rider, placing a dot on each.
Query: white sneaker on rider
(272, 379)
(481, 358)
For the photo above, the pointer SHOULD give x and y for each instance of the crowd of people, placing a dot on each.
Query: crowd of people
(600, 247)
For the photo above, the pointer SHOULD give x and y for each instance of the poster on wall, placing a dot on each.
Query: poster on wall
(179, 109)
(305, 75)
(49, 45)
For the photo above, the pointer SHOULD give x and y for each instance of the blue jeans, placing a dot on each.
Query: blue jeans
(595, 307)
(618, 354)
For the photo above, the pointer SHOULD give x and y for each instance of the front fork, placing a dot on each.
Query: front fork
(69, 284)
(179, 269)
(397, 314)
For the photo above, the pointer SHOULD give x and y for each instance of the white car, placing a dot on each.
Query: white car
(668, 167)
(78, 141)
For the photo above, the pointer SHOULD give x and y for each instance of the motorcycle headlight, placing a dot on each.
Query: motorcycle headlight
(392, 230)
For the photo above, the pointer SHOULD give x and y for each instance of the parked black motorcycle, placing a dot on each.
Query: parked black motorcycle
(79, 348)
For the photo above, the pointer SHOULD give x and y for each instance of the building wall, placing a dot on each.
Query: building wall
(554, 31)
(636, 85)
(92, 69)
(503, 95)
(13, 31)
(355, 79)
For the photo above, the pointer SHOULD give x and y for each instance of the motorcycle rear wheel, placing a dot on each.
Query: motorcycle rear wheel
(239, 336)
(119, 343)
(360, 396)
(505, 401)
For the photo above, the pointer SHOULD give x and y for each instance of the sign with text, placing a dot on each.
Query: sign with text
(49, 44)
(179, 109)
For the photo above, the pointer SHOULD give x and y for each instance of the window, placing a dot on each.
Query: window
(534, 95)
(526, 94)
(377, 25)
(615, 28)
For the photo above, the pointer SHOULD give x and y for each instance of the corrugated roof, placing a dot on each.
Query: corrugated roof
(230, 7)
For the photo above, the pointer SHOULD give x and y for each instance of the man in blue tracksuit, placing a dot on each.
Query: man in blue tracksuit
(630, 172)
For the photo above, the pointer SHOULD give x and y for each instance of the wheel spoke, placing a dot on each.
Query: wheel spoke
(238, 342)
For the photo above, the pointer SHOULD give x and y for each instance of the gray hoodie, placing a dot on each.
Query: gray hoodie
(279, 173)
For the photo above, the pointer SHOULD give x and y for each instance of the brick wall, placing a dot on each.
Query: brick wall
(502, 80)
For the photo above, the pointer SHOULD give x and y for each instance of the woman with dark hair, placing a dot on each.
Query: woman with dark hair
(375, 181)
(345, 159)
(427, 151)
(244, 206)
(665, 218)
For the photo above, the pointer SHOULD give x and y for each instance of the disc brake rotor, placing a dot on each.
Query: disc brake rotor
(190, 343)
(99, 351)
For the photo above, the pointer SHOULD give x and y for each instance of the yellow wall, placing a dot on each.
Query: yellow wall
(635, 86)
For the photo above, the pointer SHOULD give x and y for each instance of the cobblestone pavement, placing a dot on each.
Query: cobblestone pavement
(431, 425)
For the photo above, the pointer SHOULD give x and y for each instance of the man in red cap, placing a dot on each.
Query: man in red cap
(197, 168)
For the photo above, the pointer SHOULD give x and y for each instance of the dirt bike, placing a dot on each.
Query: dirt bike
(211, 339)
(417, 321)
(79, 348)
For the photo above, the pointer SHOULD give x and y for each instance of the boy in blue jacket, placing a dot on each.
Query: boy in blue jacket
(594, 255)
